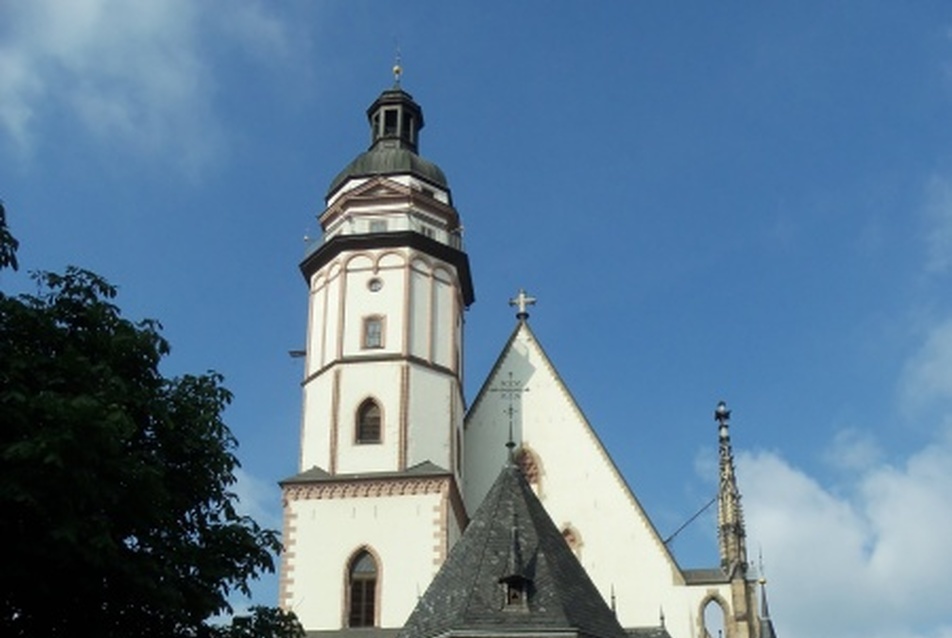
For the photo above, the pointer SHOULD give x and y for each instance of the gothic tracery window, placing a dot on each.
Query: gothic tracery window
(362, 590)
(368, 422)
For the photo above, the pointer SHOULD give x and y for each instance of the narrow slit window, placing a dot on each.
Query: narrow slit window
(373, 332)
(390, 122)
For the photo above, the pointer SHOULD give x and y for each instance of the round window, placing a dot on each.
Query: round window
(374, 284)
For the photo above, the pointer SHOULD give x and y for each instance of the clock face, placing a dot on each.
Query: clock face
(374, 284)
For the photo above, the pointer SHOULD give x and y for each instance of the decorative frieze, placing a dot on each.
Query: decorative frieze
(365, 488)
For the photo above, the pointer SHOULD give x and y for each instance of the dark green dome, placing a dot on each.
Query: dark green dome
(389, 161)
(395, 122)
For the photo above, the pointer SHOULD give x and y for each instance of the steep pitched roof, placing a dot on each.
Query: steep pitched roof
(511, 537)
(766, 624)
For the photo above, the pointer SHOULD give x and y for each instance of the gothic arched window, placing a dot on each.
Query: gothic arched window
(362, 590)
(713, 617)
(368, 422)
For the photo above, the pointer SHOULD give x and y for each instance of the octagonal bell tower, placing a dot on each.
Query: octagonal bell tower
(381, 435)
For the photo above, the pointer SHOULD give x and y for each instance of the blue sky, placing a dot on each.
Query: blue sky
(742, 201)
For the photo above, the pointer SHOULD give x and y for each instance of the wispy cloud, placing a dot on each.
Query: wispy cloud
(927, 376)
(869, 559)
(137, 74)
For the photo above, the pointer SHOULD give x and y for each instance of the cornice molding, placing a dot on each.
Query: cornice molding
(338, 244)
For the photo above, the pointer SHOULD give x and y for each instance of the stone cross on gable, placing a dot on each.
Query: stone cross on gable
(514, 390)
(522, 301)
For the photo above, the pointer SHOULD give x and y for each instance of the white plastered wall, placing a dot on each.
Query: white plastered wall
(328, 532)
(434, 415)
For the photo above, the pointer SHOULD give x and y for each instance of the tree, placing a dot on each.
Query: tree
(263, 622)
(115, 501)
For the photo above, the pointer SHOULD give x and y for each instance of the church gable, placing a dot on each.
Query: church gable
(573, 476)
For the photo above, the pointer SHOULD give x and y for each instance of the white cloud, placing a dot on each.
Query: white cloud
(135, 73)
(853, 449)
(871, 559)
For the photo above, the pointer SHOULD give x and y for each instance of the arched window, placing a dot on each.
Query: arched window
(362, 590)
(368, 422)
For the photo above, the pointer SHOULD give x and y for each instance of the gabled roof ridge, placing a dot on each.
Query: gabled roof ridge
(581, 414)
(484, 388)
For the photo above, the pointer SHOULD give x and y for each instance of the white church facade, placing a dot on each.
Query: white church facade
(394, 465)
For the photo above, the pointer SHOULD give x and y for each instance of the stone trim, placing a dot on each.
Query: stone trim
(286, 576)
(404, 419)
(335, 421)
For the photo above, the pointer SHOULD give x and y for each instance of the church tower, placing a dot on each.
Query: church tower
(732, 535)
(376, 505)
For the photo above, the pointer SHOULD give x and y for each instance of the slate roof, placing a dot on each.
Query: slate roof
(648, 632)
(706, 576)
(766, 624)
(353, 632)
(318, 475)
(511, 534)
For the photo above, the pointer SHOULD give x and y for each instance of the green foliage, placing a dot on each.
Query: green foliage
(115, 482)
(264, 622)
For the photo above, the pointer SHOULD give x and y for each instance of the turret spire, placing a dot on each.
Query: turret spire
(766, 624)
(730, 517)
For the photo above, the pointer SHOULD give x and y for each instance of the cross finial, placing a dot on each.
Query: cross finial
(522, 301)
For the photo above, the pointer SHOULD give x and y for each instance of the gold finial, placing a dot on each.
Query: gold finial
(397, 69)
